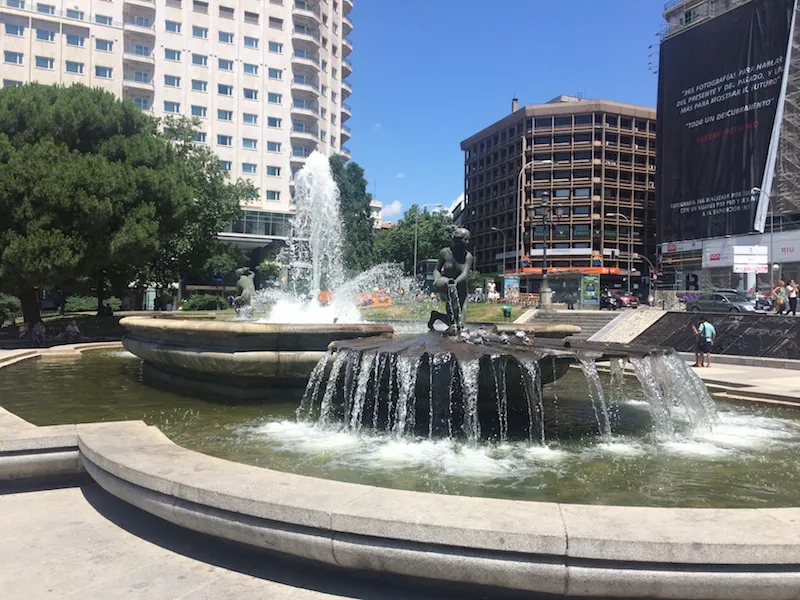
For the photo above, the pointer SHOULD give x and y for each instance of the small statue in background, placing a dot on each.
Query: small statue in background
(245, 287)
(450, 280)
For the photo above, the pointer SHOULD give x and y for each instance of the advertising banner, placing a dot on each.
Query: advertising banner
(590, 289)
(511, 288)
(719, 86)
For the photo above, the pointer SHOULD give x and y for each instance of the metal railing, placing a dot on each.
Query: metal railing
(306, 31)
(346, 106)
(306, 57)
(308, 82)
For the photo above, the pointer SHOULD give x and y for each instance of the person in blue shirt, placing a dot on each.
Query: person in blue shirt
(706, 336)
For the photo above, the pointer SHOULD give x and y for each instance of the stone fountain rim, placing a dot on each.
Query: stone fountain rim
(522, 545)
(247, 327)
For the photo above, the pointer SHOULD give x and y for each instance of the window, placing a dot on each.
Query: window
(172, 26)
(19, 31)
(275, 23)
(141, 21)
(199, 32)
(44, 62)
(225, 165)
(273, 171)
(274, 98)
(74, 67)
(273, 146)
(201, 60)
(79, 40)
(250, 42)
(335, 73)
(249, 168)
(141, 50)
(172, 81)
(224, 64)
(224, 115)
(142, 103)
(275, 74)
(141, 76)
(580, 210)
(250, 119)
(170, 54)
(276, 47)
(47, 9)
(333, 119)
(325, 65)
(74, 14)
(225, 37)
(273, 195)
(199, 111)
(103, 72)
(224, 90)
(226, 12)
(198, 85)
(43, 35)
(11, 83)
(172, 107)
(102, 19)
(251, 17)
(199, 137)
(200, 7)
(249, 144)
(250, 69)
(224, 140)
(581, 192)
(103, 45)
(273, 122)
(250, 94)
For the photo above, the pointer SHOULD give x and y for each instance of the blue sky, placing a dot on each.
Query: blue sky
(429, 73)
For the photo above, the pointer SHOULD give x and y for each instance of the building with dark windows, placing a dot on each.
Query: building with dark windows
(595, 161)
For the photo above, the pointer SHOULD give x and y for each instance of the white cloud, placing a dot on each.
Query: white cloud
(401, 175)
(377, 127)
(392, 209)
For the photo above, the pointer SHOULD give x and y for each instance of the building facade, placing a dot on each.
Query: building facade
(596, 161)
(715, 30)
(267, 80)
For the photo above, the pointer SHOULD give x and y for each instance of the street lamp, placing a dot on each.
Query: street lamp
(416, 234)
(630, 244)
(548, 216)
(503, 233)
(758, 191)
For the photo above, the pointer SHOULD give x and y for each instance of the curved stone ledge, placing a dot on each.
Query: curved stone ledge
(528, 546)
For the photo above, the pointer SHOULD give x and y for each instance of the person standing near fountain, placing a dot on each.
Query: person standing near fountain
(450, 281)
(707, 337)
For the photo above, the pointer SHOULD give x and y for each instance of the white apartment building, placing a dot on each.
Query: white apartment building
(267, 79)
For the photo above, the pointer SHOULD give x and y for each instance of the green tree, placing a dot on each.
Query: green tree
(89, 188)
(396, 244)
(356, 213)
(269, 270)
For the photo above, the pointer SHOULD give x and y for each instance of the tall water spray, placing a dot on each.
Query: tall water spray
(313, 253)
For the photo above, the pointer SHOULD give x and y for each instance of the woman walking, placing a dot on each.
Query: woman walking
(779, 292)
(791, 292)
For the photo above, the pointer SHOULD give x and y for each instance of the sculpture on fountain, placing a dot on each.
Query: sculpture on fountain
(245, 288)
(450, 280)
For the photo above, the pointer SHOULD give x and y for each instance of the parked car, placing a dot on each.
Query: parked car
(625, 299)
(721, 302)
(760, 301)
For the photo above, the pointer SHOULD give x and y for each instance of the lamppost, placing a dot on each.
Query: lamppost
(416, 234)
(548, 216)
(503, 233)
(758, 191)
(519, 210)
(630, 244)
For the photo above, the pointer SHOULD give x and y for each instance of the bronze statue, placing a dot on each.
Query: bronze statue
(450, 280)
(245, 287)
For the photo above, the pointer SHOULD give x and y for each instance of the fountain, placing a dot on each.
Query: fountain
(243, 357)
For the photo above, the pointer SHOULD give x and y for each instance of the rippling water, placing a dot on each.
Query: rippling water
(751, 458)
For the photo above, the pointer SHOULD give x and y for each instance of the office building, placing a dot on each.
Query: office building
(375, 208)
(729, 144)
(268, 80)
(595, 159)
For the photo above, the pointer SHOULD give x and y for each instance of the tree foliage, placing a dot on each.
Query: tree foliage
(89, 188)
(356, 213)
(269, 270)
(396, 244)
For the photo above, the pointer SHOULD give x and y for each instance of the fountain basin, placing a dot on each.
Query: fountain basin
(234, 358)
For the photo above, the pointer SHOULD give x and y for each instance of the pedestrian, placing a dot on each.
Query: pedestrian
(779, 292)
(791, 292)
(708, 335)
(696, 331)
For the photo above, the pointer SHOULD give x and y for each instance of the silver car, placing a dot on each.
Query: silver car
(721, 302)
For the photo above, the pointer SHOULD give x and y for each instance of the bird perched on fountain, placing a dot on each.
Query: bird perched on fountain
(450, 281)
